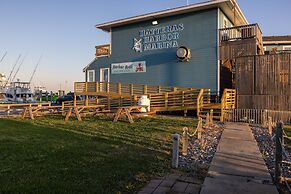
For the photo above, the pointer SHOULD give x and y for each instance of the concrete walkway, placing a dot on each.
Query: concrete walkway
(238, 166)
(176, 183)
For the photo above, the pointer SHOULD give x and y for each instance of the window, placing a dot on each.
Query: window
(287, 48)
(91, 76)
(104, 75)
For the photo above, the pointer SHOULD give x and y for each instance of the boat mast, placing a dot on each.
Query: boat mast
(3, 56)
(18, 68)
(35, 69)
(9, 77)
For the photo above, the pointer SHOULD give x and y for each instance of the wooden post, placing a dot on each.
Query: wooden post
(159, 89)
(185, 141)
(175, 154)
(166, 99)
(175, 89)
(265, 119)
(270, 127)
(119, 88)
(134, 100)
(211, 117)
(131, 89)
(278, 154)
(145, 89)
(207, 120)
(199, 128)
(75, 101)
(8, 110)
(87, 101)
(97, 87)
(108, 87)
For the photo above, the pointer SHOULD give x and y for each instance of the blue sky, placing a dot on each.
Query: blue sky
(63, 31)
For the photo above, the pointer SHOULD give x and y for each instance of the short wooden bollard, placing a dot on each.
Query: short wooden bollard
(207, 120)
(175, 154)
(270, 127)
(278, 154)
(199, 128)
(211, 117)
(185, 141)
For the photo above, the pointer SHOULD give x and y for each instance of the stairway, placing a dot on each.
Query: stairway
(227, 102)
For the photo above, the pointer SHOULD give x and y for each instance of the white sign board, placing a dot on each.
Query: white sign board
(128, 67)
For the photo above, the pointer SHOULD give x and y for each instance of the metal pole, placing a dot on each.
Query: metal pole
(278, 154)
(175, 154)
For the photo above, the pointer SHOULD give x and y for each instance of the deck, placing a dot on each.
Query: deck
(240, 41)
(163, 98)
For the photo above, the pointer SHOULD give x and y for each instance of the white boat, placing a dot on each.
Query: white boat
(40, 90)
(19, 92)
(3, 84)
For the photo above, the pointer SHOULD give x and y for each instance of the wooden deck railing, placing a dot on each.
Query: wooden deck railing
(257, 116)
(166, 101)
(240, 32)
(240, 41)
(228, 101)
(105, 88)
(103, 50)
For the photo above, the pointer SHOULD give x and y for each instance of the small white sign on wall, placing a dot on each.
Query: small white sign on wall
(128, 67)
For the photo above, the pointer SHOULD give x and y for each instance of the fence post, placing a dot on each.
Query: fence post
(175, 154)
(265, 118)
(211, 117)
(185, 141)
(270, 125)
(278, 154)
(199, 128)
(207, 121)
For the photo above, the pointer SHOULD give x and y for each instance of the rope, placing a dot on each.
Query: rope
(193, 134)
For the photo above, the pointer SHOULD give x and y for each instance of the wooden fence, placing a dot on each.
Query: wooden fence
(256, 116)
(240, 41)
(166, 101)
(264, 82)
(9, 109)
(124, 89)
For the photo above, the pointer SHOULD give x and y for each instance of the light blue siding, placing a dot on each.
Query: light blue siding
(163, 68)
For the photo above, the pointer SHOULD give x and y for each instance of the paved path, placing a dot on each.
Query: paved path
(238, 166)
(176, 183)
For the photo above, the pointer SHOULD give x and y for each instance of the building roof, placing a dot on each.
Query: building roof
(277, 39)
(227, 6)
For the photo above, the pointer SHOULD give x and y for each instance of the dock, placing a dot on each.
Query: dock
(238, 166)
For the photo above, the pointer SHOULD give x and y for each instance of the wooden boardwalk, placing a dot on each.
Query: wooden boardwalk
(238, 166)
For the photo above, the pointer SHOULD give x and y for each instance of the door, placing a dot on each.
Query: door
(91, 76)
(104, 77)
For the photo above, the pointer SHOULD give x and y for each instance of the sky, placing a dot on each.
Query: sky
(63, 32)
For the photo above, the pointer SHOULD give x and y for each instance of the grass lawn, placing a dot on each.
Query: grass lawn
(94, 156)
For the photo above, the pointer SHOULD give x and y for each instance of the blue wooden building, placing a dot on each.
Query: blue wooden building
(174, 47)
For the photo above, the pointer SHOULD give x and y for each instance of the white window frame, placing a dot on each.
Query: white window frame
(101, 74)
(289, 48)
(88, 72)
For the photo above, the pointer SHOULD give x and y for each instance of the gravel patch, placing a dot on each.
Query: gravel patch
(200, 154)
(267, 147)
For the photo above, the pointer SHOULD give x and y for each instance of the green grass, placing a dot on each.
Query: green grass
(94, 156)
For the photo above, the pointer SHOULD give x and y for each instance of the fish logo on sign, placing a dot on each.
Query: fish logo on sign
(137, 45)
